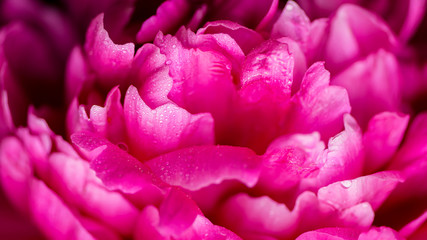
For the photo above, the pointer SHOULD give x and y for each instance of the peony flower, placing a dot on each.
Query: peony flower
(221, 120)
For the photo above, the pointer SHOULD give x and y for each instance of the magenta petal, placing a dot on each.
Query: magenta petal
(109, 121)
(373, 189)
(330, 234)
(152, 74)
(318, 106)
(197, 167)
(76, 73)
(164, 129)
(271, 63)
(202, 228)
(111, 62)
(77, 183)
(116, 168)
(292, 23)
(147, 225)
(411, 229)
(6, 123)
(382, 138)
(169, 16)
(52, 216)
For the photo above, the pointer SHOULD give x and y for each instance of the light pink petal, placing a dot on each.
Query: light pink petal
(152, 74)
(16, 172)
(374, 82)
(247, 38)
(380, 233)
(344, 159)
(52, 216)
(373, 189)
(318, 106)
(116, 168)
(292, 23)
(76, 182)
(164, 129)
(169, 17)
(197, 167)
(382, 138)
(111, 62)
(355, 33)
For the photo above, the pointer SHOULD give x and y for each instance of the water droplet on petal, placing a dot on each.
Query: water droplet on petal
(168, 62)
(346, 184)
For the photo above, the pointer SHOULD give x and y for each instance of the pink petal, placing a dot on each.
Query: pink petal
(380, 233)
(116, 168)
(382, 138)
(110, 61)
(77, 183)
(410, 229)
(354, 34)
(76, 73)
(6, 123)
(330, 234)
(343, 156)
(198, 167)
(164, 129)
(16, 172)
(318, 106)
(292, 23)
(52, 216)
(380, 89)
(169, 17)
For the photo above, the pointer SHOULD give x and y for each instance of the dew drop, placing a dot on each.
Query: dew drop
(168, 62)
(346, 184)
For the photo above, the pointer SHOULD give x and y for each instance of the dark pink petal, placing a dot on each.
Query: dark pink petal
(164, 129)
(116, 168)
(52, 216)
(344, 159)
(169, 17)
(330, 234)
(75, 181)
(373, 189)
(6, 123)
(318, 106)
(292, 23)
(411, 228)
(354, 34)
(16, 172)
(414, 16)
(98, 230)
(379, 89)
(152, 74)
(380, 233)
(382, 138)
(247, 38)
(111, 62)
(197, 167)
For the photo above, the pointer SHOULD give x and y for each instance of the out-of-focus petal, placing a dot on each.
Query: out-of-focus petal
(197, 167)
(48, 211)
(380, 88)
(382, 138)
(292, 23)
(164, 129)
(380, 233)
